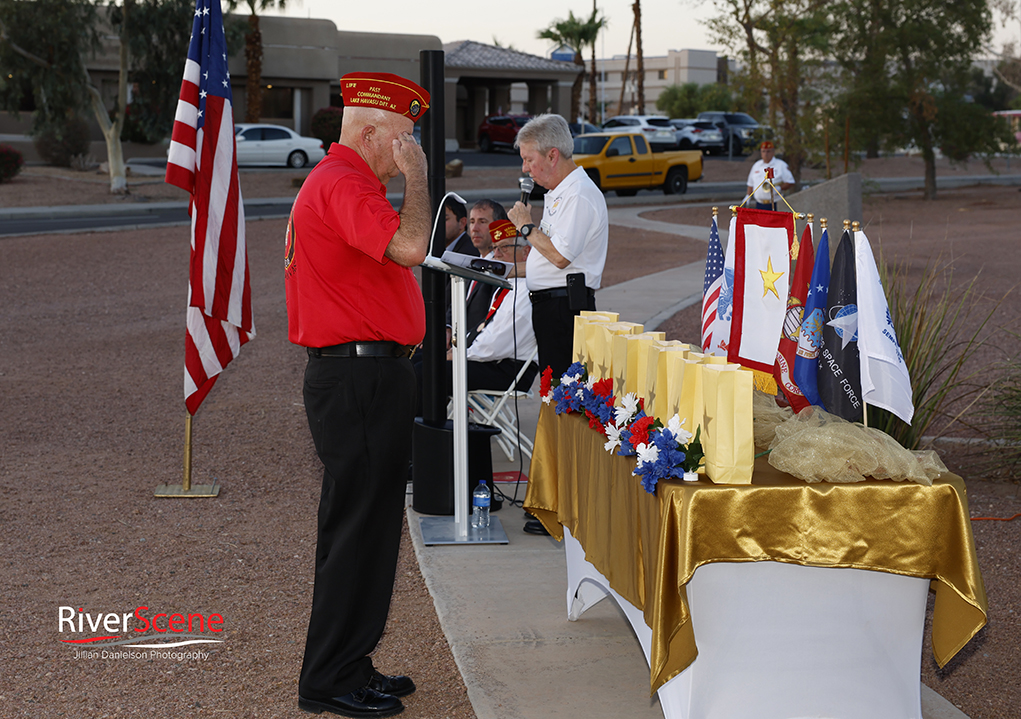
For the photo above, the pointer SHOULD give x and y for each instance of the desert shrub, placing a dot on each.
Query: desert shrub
(1003, 412)
(326, 125)
(940, 329)
(11, 162)
(59, 143)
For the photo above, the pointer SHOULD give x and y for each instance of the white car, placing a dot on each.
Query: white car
(276, 145)
(698, 134)
(657, 129)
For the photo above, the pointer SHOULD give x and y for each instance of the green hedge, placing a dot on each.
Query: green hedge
(326, 125)
(11, 162)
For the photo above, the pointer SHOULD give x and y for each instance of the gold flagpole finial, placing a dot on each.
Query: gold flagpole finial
(847, 225)
(856, 226)
(822, 223)
(810, 217)
(716, 211)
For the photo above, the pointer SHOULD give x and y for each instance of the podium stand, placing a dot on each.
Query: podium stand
(456, 530)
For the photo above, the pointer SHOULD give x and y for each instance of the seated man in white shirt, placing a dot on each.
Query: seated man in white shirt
(504, 340)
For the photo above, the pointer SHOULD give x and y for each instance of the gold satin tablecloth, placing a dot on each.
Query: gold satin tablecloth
(648, 546)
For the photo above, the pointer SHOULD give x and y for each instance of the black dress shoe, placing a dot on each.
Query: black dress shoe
(364, 702)
(395, 686)
(534, 526)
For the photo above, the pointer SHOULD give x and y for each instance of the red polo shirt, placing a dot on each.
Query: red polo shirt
(340, 287)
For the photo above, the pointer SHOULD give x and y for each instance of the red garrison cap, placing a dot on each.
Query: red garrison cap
(384, 91)
(767, 145)
(502, 229)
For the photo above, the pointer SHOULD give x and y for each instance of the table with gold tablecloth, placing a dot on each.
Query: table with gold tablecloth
(648, 546)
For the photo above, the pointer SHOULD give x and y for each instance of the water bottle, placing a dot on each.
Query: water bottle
(480, 506)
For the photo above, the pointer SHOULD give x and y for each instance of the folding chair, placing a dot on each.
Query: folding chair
(490, 407)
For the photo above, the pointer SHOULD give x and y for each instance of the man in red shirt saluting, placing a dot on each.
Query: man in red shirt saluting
(354, 303)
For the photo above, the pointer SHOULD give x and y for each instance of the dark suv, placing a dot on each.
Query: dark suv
(500, 131)
(739, 130)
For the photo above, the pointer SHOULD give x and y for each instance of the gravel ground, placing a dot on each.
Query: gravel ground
(92, 419)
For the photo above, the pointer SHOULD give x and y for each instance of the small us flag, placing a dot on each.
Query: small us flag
(711, 286)
(202, 162)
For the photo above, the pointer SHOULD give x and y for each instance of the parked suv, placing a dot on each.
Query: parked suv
(500, 131)
(656, 128)
(698, 134)
(739, 130)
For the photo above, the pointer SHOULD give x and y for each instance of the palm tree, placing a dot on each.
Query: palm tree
(253, 56)
(574, 33)
(592, 28)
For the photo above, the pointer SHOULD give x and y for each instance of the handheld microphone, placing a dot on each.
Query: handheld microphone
(527, 185)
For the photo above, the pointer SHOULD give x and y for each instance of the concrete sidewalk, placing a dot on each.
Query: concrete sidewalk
(503, 608)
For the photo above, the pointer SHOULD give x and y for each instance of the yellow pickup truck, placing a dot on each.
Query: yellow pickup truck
(624, 162)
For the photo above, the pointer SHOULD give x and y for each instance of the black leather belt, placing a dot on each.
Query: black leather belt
(363, 349)
(542, 295)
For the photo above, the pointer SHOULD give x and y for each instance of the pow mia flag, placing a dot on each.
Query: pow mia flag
(839, 375)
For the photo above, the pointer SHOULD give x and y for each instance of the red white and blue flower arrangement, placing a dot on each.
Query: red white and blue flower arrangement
(662, 452)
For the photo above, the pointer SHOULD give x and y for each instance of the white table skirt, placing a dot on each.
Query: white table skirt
(784, 641)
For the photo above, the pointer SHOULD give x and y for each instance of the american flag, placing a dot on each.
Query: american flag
(711, 286)
(201, 161)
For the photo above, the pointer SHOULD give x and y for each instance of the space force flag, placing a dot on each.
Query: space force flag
(885, 381)
(762, 245)
(202, 162)
(839, 375)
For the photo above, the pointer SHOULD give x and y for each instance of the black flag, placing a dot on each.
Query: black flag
(839, 365)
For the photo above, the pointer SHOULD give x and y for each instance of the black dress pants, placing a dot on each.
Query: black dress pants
(361, 412)
(553, 324)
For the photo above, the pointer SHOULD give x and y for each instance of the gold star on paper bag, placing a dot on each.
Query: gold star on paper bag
(769, 279)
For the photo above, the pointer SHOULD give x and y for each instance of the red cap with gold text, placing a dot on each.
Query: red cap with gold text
(502, 229)
(384, 91)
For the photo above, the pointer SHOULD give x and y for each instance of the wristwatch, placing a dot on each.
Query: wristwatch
(526, 230)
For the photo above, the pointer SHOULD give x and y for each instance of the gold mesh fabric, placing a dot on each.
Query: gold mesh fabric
(817, 446)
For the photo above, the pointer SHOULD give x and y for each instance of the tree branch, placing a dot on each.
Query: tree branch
(20, 50)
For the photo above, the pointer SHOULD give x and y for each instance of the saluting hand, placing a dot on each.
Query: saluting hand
(408, 156)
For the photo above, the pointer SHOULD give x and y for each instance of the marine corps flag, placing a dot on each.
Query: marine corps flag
(783, 370)
(839, 375)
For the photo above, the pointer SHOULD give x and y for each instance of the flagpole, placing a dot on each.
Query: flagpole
(186, 481)
(856, 227)
(185, 488)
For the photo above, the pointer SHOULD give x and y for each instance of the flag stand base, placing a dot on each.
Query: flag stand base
(186, 488)
(195, 490)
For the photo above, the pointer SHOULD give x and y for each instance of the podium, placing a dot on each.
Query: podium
(455, 529)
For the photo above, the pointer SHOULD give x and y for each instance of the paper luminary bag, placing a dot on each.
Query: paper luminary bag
(598, 347)
(727, 434)
(664, 374)
(638, 348)
(580, 321)
(648, 370)
(684, 390)
(624, 358)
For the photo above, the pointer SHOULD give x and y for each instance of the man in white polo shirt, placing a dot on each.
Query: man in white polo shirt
(569, 246)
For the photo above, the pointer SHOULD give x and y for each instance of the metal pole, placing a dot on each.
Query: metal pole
(434, 400)
(460, 409)
(186, 482)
